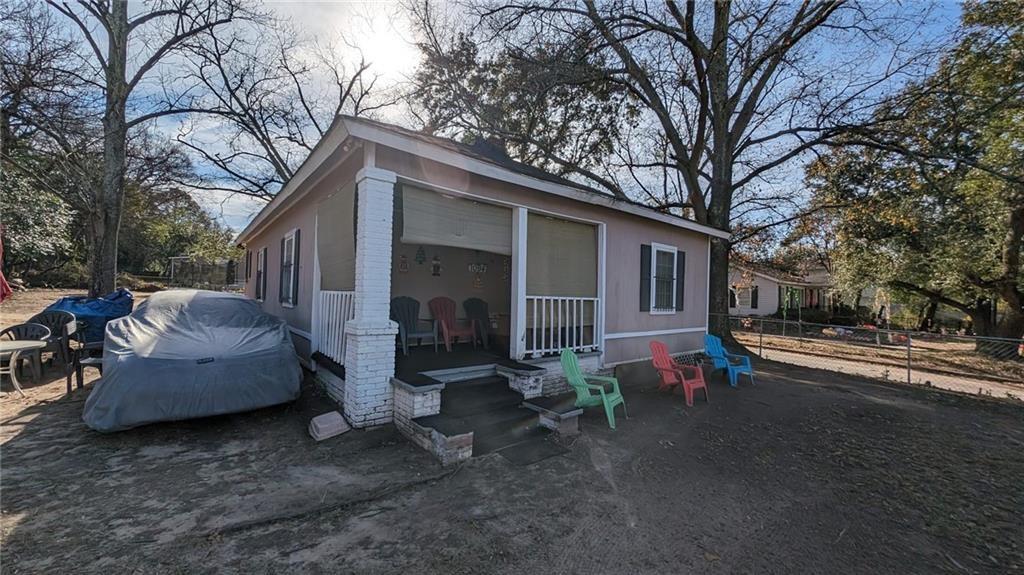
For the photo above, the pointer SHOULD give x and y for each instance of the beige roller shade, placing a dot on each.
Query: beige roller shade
(441, 220)
(335, 241)
(561, 257)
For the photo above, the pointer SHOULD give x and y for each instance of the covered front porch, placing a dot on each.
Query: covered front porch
(385, 238)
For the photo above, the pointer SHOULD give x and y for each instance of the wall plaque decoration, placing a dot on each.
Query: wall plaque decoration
(403, 264)
(421, 256)
(435, 266)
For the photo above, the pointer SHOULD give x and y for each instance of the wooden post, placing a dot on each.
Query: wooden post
(760, 340)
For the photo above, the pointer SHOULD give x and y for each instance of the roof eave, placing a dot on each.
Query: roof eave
(384, 137)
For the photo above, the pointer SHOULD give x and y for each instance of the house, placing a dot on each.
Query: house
(378, 211)
(762, 290)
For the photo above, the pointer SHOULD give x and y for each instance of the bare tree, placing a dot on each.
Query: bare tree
(153, 34)
(271, 95)
(735, 92)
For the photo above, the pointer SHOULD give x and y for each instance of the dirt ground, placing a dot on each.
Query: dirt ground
(951, 369)
(805, 472)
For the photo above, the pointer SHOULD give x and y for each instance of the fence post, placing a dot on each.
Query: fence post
(800, 333)
(760, 340)
(909, 380)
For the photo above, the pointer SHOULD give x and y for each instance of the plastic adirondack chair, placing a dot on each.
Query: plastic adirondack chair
(592, 395)
(689, 377)
(405, 311)
(62, 326)
(443, 310)
(27, 331)
(478, 312)
(732, 363)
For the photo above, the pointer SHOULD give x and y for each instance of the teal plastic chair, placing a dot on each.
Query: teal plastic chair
(732, 363)
(592, 395)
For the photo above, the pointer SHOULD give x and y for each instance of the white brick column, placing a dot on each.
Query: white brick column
(370, 337)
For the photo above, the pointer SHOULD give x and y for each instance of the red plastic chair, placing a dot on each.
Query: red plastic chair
(689, 377)
(443, 310)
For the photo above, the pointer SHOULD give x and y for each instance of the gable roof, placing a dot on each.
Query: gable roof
(777, 275)
(478, 159)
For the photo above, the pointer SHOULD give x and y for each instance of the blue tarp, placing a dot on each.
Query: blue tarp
(95, 312)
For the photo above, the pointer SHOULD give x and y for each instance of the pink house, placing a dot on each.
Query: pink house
(378, 212)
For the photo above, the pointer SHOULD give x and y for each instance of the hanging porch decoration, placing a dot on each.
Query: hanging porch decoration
(435, 266)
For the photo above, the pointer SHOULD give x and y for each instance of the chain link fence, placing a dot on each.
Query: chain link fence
(971, 364)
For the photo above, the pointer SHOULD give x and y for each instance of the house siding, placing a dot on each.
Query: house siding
(300, 215)
(767, 294)
(624, 234)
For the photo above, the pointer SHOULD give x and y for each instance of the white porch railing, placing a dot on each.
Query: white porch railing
(335, 308)
(556, 322)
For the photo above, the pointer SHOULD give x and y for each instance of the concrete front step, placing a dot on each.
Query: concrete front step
(489, 410)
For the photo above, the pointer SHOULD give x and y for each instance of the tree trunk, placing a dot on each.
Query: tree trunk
(722, 157)
(927, 319)
(718, 289)
(106, 215)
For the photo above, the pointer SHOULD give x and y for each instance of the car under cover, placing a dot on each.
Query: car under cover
(184, 354)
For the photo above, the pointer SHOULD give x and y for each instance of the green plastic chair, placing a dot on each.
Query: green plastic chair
(591, 395)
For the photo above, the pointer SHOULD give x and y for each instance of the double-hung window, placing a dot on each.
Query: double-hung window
(289, 268)
(663, 279)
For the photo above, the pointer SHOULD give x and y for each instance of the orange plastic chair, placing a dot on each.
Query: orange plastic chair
(443, 310)
(689, 377)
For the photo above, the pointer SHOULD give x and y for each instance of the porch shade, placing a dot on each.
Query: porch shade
(561, 257)
(336, 240)
(441, 220)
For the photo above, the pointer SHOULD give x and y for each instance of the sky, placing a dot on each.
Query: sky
(384, 35)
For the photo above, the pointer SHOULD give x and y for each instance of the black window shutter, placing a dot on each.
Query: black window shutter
(280, 286)
(248, 263)
(295, 269)
(263, 273)
(680, 276)
(753, 297)
(732, 296)
(645, 277)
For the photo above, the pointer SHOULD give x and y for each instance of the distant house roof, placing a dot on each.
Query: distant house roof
(482, 159)
(778, 275)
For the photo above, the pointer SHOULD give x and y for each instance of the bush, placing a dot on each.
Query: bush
(135, 283)
(72, 274)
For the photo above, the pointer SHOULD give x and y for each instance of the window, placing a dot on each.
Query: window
(261, 274)
(744, 297)
(289, 268)
(663, 279)
(662, 269)
(753, 297)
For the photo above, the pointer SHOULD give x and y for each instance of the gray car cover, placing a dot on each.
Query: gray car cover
(191, 353)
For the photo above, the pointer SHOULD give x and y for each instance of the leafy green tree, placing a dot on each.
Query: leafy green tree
(36, 226)
(937, 193)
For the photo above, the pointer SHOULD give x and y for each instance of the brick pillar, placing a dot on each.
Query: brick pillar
(370, 337)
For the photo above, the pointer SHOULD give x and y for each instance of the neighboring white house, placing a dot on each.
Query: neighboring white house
(762, 291)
